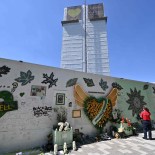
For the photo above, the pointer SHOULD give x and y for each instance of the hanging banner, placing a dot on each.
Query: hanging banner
(95, 11)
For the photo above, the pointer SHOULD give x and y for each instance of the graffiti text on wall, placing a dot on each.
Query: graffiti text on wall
(41, 111)
(8, 103)
(4, 70)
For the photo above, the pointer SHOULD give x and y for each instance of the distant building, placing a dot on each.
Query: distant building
(84, 43)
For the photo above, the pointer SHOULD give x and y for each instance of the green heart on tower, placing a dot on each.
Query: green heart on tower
(74, 12)
(98, 111)
(8, 104)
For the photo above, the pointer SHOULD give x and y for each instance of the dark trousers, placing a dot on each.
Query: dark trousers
(147, 128)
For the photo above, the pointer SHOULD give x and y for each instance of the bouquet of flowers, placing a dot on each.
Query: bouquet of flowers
(126, 120)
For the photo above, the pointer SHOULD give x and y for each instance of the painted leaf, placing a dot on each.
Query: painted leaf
(49, 80)
(89, 82)
(116, 85)
(4, 70)
(146, 86)
(25, 78)
(71, 82)
(103, 84)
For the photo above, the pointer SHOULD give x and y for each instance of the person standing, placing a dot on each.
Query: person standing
(146, 120)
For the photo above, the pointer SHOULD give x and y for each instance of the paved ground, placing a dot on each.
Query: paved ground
(133, 145)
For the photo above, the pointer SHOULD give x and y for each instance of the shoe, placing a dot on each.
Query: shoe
(145, 138)
(150, 138)
(105, 137)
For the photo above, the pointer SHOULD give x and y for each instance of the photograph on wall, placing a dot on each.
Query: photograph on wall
(76, 113)
(95, 11)
(38, 90)
(74, 13)
(60, 98)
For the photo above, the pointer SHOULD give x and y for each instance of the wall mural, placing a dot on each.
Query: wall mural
(25, 78)
(133, 95)
(8, 103)
(71, 82)
(49, 80)
(98, 110)
(89, 82)
(4, 70)
(38, 91)
(116, 85)
(136, 101)
(42, 111)
(61, 113)
(103, 84)
(23, 103)
(70, 104)
(129, 99)
(146, 86)
(22, 94)
(15, 85)
(4, 86)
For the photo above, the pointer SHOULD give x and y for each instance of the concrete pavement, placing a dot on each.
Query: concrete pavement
(132, 145)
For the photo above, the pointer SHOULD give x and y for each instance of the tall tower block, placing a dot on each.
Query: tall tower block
(84, 43)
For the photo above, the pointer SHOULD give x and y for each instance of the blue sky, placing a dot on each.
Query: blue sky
(31, 31)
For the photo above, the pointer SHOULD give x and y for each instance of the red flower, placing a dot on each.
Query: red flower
(123, 119)
(129, 123)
